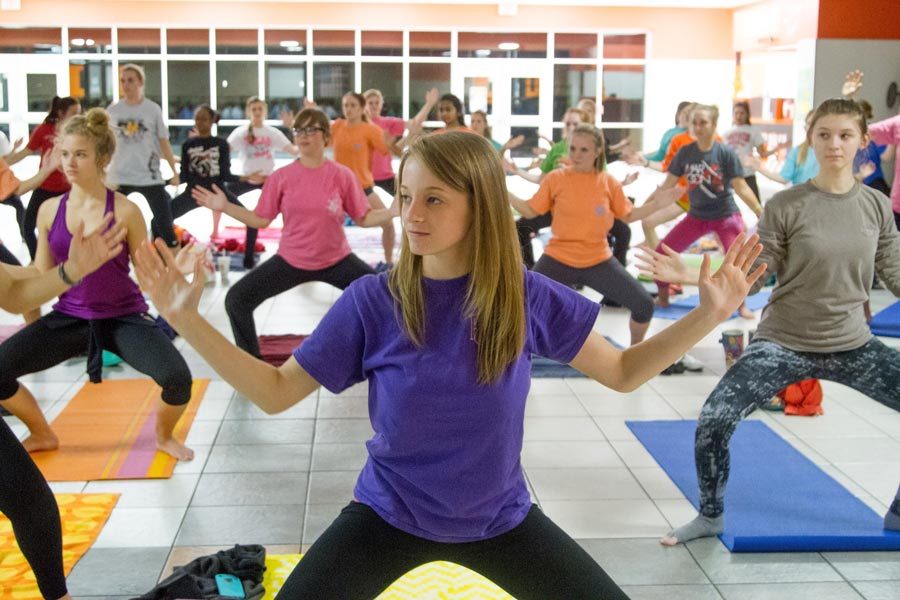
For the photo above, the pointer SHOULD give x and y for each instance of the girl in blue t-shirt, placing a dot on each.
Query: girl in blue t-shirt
(445, 340)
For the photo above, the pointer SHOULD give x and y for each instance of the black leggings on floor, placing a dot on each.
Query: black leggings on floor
(609, 278)
(136, 338)
(38, 197)
(273, 277)
(183, 203)
(360, 555)
(162, 225)
(28, 503)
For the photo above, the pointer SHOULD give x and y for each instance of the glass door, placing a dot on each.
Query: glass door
(27, 87)
(516, 95)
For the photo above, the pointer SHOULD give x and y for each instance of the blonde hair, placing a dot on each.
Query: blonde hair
(711, 109)
(495, 300)
(599, 142)
(94, 125)
(487, 126)
(373, 92)
(136, 69)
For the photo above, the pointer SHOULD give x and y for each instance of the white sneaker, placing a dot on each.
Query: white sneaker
(691, 364)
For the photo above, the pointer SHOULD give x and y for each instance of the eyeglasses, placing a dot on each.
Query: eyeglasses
(306, 130)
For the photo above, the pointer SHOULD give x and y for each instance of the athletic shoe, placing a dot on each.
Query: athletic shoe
(691, 364)
(676, 368)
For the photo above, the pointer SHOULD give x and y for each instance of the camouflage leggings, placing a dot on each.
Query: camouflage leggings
(762, 371)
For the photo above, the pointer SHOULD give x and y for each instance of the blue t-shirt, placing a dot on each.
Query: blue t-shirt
(709, 176)
(444, 463)
(796, 173)
(871, 153)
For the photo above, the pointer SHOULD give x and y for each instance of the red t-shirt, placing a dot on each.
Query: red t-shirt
(42, 139)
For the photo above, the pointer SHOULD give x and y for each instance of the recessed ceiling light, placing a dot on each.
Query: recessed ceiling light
(78, 42)
(289, 43)
(224, 83)
(508, 45)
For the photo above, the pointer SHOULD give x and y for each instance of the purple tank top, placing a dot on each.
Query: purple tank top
(106, 293)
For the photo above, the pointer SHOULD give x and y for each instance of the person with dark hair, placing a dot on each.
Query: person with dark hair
(869, 162)
(143, 139)
(43, 140)
(450, 111)
(314, 195)
(744, 137)
(814, 325)
(205, 161)
(445, 341)
(102, 311)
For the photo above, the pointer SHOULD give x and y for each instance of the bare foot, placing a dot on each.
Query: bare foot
(41, 443)
(745, 312)
(174, 448)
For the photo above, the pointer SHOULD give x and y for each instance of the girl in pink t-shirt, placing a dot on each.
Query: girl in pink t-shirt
(313, 195)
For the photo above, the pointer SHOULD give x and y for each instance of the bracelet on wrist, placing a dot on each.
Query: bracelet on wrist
(61, 270)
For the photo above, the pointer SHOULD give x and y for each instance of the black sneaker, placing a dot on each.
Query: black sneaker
(676, 368)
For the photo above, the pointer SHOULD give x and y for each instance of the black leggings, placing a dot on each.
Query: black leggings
(239, 188)
(619, 237)
(158, 198)
(184, 203)
(56, 337)
(38, 197)
(273, 277)
(609, 278)
(388, 185)
(751, 181)
(26, 500)
(360, 555)
(7, 257)
(16, 203)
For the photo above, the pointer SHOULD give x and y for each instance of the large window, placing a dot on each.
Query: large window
(187, 41)
(388, 79)
(423, 77)
(191, 87)
(41, 90)
(91, 81)
(90, 41)
(237, 41)
(623, 93)
(32, 40)
(570, 84)
(139, 41)
(285, 87)
(235, 82)
(330, 82)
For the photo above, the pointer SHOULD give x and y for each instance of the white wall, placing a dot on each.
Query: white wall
(671, 81)
(878, 59)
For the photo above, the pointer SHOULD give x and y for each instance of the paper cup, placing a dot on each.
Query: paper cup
(733, 343)
(223, 264)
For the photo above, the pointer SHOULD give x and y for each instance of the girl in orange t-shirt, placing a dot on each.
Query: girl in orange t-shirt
(585, 200)
(355, 139)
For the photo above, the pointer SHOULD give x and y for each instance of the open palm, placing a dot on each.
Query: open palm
(162, 280)
(723, 292)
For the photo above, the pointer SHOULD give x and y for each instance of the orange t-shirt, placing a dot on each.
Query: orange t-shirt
(584, 206)
(354, 146)
(8, 182)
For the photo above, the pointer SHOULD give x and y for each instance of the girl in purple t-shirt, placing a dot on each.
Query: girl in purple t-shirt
(103, 311)
(445, 341)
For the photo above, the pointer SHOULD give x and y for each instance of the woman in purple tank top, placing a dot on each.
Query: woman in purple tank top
(103, 311)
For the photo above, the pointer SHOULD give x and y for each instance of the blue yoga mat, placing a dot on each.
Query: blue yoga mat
(777, 500)
(544, 367)
(887, 322)
(676, 310)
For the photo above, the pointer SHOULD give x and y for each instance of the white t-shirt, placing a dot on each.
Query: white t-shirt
(138, 127)
(258, 155)
(743, 139)
(4, 145)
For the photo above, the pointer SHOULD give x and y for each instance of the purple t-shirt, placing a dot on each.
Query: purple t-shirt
(444, 463)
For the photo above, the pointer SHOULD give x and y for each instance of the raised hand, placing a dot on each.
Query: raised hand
(307, 103)
(89, 253)
(630, 178)
(187, 255)
(214, 199)
(662, 266)
(866, 169)
(287, 118)
(50, 160)
(432, 96)
(722, 293)
(160, 278)
(751, 161)
(853, 82)
(16, 145)
(515, 142)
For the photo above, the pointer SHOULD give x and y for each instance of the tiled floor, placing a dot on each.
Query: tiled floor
(279, 480)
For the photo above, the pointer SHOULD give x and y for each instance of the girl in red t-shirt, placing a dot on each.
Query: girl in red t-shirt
(42, 140)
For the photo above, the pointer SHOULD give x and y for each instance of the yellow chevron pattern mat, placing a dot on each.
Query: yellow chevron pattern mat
(434, 581)
(82, 516)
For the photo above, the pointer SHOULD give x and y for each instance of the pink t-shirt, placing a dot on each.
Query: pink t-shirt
(888, 132)
(381, 162)
(314, 203)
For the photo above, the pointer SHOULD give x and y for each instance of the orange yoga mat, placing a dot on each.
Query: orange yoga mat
(108, 431)
(82, 516)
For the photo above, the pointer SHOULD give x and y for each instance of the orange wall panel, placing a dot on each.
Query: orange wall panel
(869, 20)
(676, 33)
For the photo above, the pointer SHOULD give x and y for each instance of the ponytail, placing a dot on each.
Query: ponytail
(58, 107)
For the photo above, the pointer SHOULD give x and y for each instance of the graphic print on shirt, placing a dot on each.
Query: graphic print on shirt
(132, 130)
(706, 177)
(204, 162)
(260, 147)
(738, 139)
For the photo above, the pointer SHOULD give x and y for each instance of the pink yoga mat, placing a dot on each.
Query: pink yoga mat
(238, 233)
(275, 349)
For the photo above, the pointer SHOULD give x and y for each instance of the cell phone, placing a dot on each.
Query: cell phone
(229, 585)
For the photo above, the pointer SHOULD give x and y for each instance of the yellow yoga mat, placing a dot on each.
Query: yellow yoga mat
(108, 431)
(82, 516)
(434, 581)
